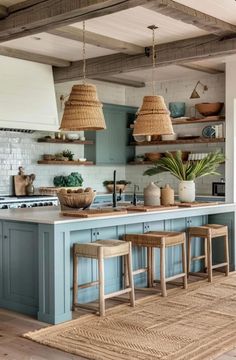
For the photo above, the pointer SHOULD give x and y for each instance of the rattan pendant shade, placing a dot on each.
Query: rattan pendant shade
(153, 117)
(83, 110)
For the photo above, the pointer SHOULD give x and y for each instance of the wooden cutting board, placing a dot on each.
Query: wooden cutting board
(197, 203)
(20, 183)
(151, 208)
(93, 212)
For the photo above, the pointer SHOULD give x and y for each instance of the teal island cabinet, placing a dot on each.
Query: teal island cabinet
(36, 253)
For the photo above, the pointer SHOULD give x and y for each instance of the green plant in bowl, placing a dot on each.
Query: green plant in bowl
(67, 153)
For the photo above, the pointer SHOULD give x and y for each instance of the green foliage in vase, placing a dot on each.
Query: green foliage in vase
(187, 170)
(69, 154)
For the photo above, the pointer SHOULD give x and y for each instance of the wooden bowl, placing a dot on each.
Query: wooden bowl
(118, 187)
(75, 200)
(152, 156)
(209, 109)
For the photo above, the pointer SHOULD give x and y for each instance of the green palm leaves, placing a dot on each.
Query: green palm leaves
(188, 170)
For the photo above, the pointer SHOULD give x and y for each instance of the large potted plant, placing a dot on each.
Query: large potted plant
(187, 171)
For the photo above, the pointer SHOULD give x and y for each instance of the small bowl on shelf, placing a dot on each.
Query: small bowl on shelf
(72, 136)
(82, 159)
(152, 156)
(209, 109)
(169, 137)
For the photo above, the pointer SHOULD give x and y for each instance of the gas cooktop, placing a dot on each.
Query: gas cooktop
(11, 201)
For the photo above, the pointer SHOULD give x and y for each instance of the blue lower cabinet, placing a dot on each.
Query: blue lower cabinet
(19, 265)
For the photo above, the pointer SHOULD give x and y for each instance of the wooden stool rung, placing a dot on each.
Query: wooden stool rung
(86, 307)
(198, 274)
(140, 271)
(117, 293)
(86, 285)
(200, 257)
(175, 277)
(219, 265)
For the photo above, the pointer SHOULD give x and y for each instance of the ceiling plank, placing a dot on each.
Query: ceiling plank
(3, 12)
(73, 33)
(191, 16)
(44, 15)
(178, 52)
(24, 55)
(116, 80)
(206, 69)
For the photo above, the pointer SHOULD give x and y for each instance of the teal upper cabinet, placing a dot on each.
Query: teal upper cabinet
(111, 145)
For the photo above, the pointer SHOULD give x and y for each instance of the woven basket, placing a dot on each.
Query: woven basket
(153, 156)
(83, 110)
(75, 200)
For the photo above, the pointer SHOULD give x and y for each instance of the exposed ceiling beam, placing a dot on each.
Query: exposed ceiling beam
(31, 16)
(3, 12)
(206, 69)
(73, 33)
(178, 52)
(115, 80)
(191, 16)
(24, 55)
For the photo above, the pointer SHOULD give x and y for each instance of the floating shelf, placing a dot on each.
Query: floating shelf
(58, 162)
(66, 141)
(199, 140)
(189, 121)
(140, 162)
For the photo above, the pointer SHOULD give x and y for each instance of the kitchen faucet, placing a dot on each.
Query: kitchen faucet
(114, 197)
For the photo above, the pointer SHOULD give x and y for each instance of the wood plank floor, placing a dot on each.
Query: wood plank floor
(14, 347)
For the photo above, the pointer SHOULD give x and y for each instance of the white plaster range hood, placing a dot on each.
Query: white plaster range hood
(27, 96)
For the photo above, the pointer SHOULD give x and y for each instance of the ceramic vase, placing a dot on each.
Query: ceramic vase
(187, 191)
(152, 194)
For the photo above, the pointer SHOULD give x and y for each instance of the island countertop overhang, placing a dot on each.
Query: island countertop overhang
(53, 215)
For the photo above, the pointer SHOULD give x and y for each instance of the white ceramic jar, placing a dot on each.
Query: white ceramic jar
(152, 195)
(187, 191)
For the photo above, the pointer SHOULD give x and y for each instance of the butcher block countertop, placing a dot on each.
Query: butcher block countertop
(53, 215)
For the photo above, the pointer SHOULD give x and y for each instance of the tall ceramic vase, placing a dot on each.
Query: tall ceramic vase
(187, 191)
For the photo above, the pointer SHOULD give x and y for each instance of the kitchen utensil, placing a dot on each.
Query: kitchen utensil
(177, 109)
(94, 212)
(208, 109)
(149, 208)
(209, 131)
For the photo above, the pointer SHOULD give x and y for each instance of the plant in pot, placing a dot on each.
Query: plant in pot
(187, 171)
(120, 185)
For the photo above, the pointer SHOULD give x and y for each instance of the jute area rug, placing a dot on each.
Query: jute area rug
(194, 324)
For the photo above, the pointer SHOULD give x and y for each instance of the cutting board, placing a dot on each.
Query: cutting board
(20, 183)
(93, 212)
(151, 208)
(197, 203)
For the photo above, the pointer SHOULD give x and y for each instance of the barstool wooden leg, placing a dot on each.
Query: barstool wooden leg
(149, 267)
(130, 275)
(226, 246)
(75, 279)
(209, 258)
(189, 254)
(205, 253)
(162, 270)
(185, 281)
(101, 281)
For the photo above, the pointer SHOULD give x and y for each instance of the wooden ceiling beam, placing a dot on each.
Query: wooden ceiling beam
(24, 55)
(31, 16)
(178, 52)
(73, 33)
(206, 69)
(3, 12)
(191, 16)
(120, 81)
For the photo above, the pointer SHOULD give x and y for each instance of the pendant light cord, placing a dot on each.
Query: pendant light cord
(153, 60)
(84, 53)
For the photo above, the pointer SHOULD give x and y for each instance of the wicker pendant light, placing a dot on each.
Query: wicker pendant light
(153, 117)
(83, 110)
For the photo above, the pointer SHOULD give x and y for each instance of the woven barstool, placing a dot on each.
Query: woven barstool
(209, 232)
(100, 250)
(161, 240)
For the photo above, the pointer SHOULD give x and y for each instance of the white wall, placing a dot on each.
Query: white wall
(18, 149)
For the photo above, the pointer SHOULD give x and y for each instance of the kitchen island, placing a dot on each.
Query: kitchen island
(36, 253)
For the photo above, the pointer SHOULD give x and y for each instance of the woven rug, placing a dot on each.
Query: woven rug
(194, 324)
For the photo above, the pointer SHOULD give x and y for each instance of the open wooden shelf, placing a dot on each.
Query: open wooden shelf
(66, 141)
(199, 140)
(189, 121)
(145, 162)
(59, 162)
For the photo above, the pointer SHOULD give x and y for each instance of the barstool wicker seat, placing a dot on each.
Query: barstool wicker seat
(209, 232)
(100, 250)
(161, 240)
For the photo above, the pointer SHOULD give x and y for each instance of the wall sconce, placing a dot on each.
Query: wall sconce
(195, 94)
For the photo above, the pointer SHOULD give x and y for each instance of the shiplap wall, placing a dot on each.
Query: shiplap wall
(23, 150)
